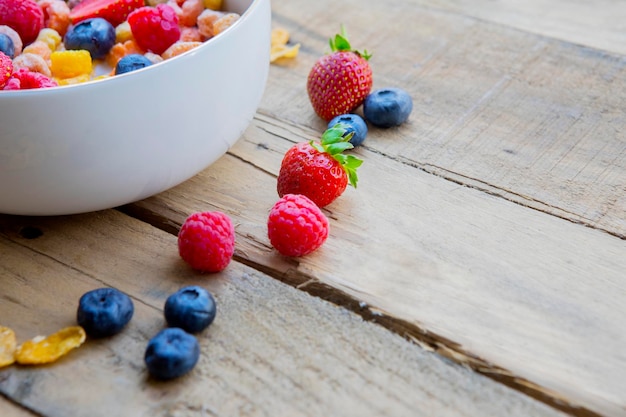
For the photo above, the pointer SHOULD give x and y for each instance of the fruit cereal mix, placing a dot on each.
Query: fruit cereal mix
(48, 349)
(8, 344)
(50, 37)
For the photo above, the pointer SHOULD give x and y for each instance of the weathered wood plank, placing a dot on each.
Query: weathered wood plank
(598, 24)
(532, 119)
(10, 409)
(272, 351)
(531, 294)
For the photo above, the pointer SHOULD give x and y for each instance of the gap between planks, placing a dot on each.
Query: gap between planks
(146, 211)
(425, 339)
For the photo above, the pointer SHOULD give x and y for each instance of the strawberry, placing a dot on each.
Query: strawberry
(339, 82)
(114, 11)
(319, 170)
(23, 16)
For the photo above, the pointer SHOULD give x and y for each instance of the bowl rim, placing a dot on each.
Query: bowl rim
(206, 44)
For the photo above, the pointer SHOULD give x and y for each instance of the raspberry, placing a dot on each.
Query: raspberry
(155, 28)
(296, 226)
(6, 69)
(206, 241)
(24, 16)
(25, 79)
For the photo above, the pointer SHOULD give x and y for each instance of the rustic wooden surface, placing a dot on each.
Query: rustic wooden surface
(272, 350)
(489, 230)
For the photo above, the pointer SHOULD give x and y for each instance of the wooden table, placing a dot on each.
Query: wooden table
(478, 270)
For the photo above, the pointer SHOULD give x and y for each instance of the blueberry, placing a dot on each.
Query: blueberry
(95, 35)
(131, 62)
(190, 308)
(387, 107)
(104, 312)
(171, 353)
(354, 123)
(7, 46)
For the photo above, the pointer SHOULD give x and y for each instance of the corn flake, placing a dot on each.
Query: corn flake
(279, 48)
(8, 344)
(48, 349)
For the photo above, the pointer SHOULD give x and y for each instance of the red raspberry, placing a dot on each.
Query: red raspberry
(154, 28)
(6, 69)
(296, 226)
(206, 241)
(24, 16)
(25, 79)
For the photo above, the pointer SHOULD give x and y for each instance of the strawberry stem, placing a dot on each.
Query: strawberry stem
(333, 142)
(340, 43)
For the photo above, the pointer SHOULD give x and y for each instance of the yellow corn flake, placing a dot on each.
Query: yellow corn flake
(282, 51)
(279, 36)
(8, 344)
(279, 48)
(123, 32)
(50, 37)
(213, 4)
(82, 78)
(70, 64)
(101, 77)
(48, 349)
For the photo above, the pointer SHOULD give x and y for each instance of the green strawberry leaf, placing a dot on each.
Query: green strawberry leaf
(334, 143)
(334, 134)
(340, 43)
(337, 148)
(351, 164)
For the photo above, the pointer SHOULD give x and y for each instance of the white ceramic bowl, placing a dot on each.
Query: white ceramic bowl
(102, 144)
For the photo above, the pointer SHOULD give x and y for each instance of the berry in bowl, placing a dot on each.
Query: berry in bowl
(100, 109)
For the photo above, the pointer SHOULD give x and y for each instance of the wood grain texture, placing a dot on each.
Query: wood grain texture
(537, 296)
(272, 351)
(10, 409)
(598, 24)
(532, 119)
